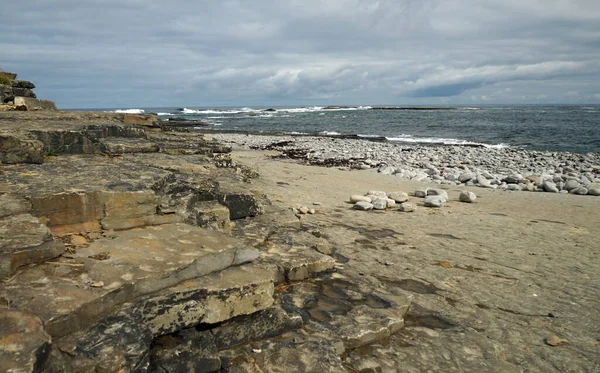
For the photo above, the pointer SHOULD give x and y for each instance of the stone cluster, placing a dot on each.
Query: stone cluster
(497, 168)
(379, 200)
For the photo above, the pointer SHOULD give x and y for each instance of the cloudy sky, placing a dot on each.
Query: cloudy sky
(143, 53)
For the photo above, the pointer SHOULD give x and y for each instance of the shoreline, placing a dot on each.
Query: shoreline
(493, 168)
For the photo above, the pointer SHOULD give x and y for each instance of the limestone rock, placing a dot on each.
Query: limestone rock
(116, 146)
(438, 192)
(465, 176)
(120, 341)
(358, 198)
(550, 186)
(24, 240)
(398, 196)
(377, 193)
(24, 345)
(594, 191)
(210, 214)
(32, 103)
(379, 204)
(467, 196)
(421, 192)
(407, 207)
(19, 149)
(260, 325)
(580, 191)
(189, 351)
(434, 201)
(142, 261)
(571, 184)
(362, 205)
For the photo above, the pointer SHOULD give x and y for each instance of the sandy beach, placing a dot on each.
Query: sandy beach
(492, 284)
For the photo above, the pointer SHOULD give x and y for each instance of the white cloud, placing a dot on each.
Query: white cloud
(131, 52)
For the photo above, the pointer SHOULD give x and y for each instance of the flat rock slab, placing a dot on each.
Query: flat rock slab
(349, 311)
(120, 342)
(25, 240)
(76, 291)
(23, 341)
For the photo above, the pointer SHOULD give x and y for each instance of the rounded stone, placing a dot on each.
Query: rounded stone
(421, 192)
(407, 207)
(594, 192)
(434, 201)
(363, 205)
(467, 196)
(379, 204)
(358, 198)
(571, 184)
(437, 192)
(398, 196)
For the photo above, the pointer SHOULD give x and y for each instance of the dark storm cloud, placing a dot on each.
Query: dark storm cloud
(173, 53)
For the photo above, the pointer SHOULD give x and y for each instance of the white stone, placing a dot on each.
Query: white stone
(358, 198)
(362, 205)
(379, 204)
(438, 192)
(434, 201)
(407, 207)
(467, 196)
(421, 192)
(398, 196)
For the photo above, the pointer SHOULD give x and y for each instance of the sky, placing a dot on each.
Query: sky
(150, 53)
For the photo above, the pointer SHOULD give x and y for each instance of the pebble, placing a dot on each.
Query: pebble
(421, 192)
(379, 203)
(434, 201)
(363, 205)
(488, 168)
(407, 207)
(467, 196)
(377, 193)
(571, 184)
(594, 192)
(303, 210)
(554, 341)
(438, 192)
(550, 186)
(398, 196)
(358, 198)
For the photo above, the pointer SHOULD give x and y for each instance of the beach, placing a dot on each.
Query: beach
(132, 244)
(489, 282)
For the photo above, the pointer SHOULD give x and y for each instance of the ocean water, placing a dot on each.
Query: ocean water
(572, 128)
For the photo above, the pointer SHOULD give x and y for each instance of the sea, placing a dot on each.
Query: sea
(565, 128)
